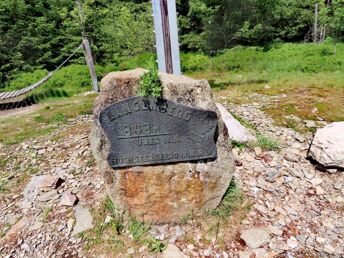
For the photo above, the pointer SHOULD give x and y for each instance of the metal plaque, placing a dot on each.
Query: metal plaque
(148, 130)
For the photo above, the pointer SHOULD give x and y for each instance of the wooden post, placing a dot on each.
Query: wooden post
(87, 50)
(166, 34)
(90, 63)
(315, 33)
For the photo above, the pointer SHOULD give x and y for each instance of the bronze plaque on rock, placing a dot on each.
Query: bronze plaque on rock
(148, 130)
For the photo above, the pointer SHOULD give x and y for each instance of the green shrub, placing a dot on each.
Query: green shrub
(145, 60)
(150, 84)
(192, 62)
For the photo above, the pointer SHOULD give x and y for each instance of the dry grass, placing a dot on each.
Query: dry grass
(307, 96)
(47, 118)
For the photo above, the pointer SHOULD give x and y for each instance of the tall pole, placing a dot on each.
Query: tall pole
(166, 34)
(315, 33)
(87, 50)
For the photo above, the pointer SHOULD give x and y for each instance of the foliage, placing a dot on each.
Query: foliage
(230, 202)
(36, 35)
(150, 84)
(266, 143)
(192, 62)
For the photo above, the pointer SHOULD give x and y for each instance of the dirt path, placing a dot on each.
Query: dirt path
(18, 111)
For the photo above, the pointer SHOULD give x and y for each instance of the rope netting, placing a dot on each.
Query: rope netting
(7, 96)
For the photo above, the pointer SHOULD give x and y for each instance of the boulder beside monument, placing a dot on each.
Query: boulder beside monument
(163, 193)
(328, 146)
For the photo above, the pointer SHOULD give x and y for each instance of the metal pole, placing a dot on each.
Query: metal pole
(90, 63)
(166, 35)
(315, 36)
(87, 50)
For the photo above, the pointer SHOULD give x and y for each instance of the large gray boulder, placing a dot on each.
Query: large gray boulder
(236, 131)
(163, 193)
(328, 146)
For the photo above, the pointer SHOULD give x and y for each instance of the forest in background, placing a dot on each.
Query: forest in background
(39, 35)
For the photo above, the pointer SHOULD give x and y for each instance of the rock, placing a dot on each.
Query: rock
(68, 199)
(25, 247)
(36, 183)
(310, 124)
(206, 252)
(338, 185)
(292, 242)
(328, 146)
(244, 254)
(108, 219)
(261, 253)
(319, 190)
(190, 247)
(70, 224)
(256, 236)
(316, 181)
(131, 251)
(163, 193)
(291, 157)
(48, 196)
(15, 230)
(84, 220)
(329, 249)
(236, 131)
(173, 251)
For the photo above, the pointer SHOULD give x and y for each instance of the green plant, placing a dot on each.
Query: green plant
(266, 143)
(230, 202)
(185, 219)
(150, 84)
(155, 245)
(46, 213)
(137, 228)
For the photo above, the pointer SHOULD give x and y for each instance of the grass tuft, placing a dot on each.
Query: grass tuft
(231, 201)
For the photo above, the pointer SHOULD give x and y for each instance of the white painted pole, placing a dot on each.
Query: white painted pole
(159, 35)
(174, 37)
(315, 36)
(166, 35)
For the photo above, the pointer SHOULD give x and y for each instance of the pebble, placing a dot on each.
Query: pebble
(292, 242)
(316, 181)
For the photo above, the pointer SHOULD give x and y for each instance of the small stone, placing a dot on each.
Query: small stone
(320, 240)
(61, 227)
(207, 252)
(84, 220)
(310, 124)
(261, 253)
(288, 179)
(108, 219)
(142, 249)
(131, 251)
(316, 181)
(338, 185)
(70, 224)
(291, 157)
(319, 190)
(37, 225)
(52, 195)
(68, 199)
(244, 254)
(256, 236)
(329, 249)
(272, 175)
(25, 247)
(292, 242)
(276, 231)
(172, 251)
(190, 247)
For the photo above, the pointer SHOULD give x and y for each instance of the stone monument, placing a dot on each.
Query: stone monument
(161, 158)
